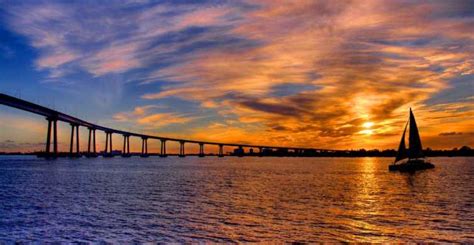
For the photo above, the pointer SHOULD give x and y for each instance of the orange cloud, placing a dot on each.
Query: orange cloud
(368, 62)
(163, 119)
(117, 58)
(351, 63)
(145, 116)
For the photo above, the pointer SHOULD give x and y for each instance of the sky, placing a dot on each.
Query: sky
(325, 74)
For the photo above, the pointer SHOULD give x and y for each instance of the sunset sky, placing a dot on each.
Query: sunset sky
(325, 74)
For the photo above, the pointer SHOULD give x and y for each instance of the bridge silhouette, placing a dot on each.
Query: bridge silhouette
(53, 116)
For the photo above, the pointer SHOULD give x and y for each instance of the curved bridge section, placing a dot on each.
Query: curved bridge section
(51, 146)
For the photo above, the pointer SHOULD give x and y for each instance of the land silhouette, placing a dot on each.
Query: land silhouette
(455, 152)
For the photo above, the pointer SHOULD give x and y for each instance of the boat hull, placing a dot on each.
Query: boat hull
(411, 166)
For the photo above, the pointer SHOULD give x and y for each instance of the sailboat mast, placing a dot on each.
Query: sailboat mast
(415, 150)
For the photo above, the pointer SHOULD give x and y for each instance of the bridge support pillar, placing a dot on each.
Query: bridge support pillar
(111, 146)
(77, 140)
(48, 137)
(201, 150)
(240, 152)
(74, 130)
(221, 151)
(55, 137)
(144, 147)
(108, 145)
(106, 150)
(126, 146)
(91, 144)
(94, 146)
(71, 145)
(52, 126)
(181, 149)
(260, 151)
(163, 148)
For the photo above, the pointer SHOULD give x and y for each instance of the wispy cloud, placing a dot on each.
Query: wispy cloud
(290, 72)
(149, 117)
(109, 38)
(160, 119)
(453, 133)
(368, 62)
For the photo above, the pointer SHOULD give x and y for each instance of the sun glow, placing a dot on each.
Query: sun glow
(367, 130)
(368, 124)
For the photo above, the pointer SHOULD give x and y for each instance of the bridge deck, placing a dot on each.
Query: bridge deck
(53, 114)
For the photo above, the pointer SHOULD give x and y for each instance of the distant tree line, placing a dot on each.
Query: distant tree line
(462, 151)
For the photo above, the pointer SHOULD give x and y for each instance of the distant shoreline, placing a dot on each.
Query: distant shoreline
(464, 151)
(215, 155)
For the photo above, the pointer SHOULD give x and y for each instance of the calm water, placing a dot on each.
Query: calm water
(234, 199)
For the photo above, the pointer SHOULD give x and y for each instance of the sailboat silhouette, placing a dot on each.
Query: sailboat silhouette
(411, 159)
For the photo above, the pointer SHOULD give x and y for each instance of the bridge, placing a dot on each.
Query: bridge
(53, 116)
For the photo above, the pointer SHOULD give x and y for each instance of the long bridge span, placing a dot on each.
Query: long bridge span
(51, 145)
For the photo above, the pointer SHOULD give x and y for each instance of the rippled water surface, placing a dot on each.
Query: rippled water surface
(246, 199)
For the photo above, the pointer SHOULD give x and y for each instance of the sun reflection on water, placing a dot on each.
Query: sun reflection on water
(366, 202)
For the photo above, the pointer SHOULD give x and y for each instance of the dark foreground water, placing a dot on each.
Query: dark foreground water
(234, 199)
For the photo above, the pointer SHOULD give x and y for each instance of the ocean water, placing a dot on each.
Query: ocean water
(233, 199)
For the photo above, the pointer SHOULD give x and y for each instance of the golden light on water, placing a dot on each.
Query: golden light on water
(366, 200)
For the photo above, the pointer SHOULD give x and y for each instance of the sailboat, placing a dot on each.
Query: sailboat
(411, 159)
